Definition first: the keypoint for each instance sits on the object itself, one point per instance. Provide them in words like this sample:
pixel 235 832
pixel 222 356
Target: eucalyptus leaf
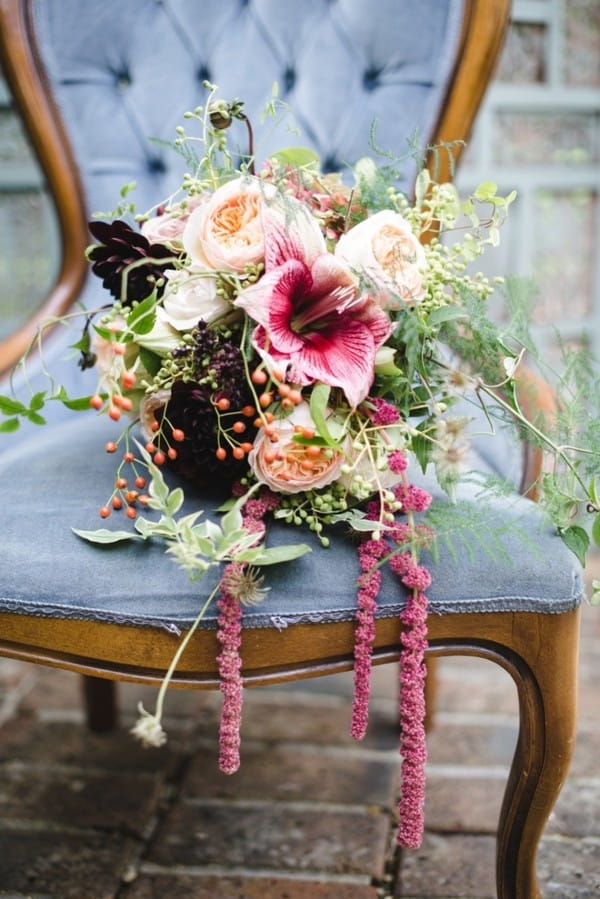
pixel 273 555
pixel 103 535
pixel 175 501
pixel 487 190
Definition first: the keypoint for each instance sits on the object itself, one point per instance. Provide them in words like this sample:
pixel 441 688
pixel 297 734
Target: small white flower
pixel 148 730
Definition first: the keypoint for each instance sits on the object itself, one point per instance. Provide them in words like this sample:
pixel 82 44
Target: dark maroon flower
pixel 119 246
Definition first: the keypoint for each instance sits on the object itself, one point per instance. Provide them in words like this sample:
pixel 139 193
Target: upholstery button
pixel 289 79
pixel 156 165
pixel 371 79
pixel 123 79
pixel 331 164
pixel 204 73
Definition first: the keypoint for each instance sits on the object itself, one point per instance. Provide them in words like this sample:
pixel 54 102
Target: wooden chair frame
pixel 538 651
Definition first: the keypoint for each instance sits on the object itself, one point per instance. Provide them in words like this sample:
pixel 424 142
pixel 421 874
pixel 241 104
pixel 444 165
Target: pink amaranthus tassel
pixel 229 634
pixel 234 585
pixel 413 744
pixel 369 553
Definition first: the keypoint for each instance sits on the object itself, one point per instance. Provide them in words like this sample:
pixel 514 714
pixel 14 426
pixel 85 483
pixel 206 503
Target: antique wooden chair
pixel 91 84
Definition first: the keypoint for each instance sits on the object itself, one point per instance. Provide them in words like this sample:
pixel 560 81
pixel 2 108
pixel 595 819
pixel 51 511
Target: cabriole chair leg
pixel 540 653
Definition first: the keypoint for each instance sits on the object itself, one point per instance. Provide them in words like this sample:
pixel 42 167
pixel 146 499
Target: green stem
pixel 180 650
pixel 516 412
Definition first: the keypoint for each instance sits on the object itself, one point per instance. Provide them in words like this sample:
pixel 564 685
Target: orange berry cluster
pixel 287 395
pixel 118 403
pixel 239 449
pixel 159 456
pixel 125 496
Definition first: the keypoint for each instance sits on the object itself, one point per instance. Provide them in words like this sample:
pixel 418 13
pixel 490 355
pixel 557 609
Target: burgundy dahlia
pixel 119 246
pixel 213 359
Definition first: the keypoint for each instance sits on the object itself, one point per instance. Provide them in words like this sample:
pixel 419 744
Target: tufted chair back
pixel 125 72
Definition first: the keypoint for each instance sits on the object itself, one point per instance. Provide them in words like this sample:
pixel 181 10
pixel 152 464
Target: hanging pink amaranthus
pixel 369 553
pixel 229 634
pixel 416 578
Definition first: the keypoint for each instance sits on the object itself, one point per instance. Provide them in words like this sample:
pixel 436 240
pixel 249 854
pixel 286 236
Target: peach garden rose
pixel 226 232
pixel 385 251
pixel 290 467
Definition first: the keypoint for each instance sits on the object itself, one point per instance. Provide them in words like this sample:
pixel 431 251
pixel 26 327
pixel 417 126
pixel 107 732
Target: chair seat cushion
pixel 507 560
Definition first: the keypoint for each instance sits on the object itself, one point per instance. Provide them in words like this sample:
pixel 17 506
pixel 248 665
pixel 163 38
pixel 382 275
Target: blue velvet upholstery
pixel 126 71
pixel 51 572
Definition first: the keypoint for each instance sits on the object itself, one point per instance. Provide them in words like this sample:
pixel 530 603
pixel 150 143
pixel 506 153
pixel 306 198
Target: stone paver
pixel 63 865
pixel 296 773
pixel 449 866
pixel 570 869
pixel 276 836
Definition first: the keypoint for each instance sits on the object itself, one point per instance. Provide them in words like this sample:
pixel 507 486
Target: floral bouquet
pixel 280 332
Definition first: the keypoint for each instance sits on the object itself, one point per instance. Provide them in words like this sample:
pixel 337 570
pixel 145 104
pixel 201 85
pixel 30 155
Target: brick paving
pixel 310 815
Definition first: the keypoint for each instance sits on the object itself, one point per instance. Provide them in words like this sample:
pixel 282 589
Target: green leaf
pixel 10 425
pixel 595 599
pixel 103 535
pixel 318 405
pixel 84 343
pixel 422 186
pixel 79 403
pixel 593 492
pixel 174 501
pixel 298 157
pixel 422 448
pixel 38 401
pixel 446 314
pixel 309 441
pixel 142 317
pixel 105 333
pixel 577 539
pixel 486 190
pixel 273 555
pixel 36 419
pixel 150 361
pixel 596 530
pixel 8 406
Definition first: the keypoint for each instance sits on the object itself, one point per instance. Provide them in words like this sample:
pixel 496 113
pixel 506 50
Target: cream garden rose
pixel 385 251
pixel 289 467
pixel 227 232
pixel 191 296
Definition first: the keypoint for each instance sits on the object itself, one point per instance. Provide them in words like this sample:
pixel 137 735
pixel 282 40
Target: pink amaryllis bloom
pixel 311 318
